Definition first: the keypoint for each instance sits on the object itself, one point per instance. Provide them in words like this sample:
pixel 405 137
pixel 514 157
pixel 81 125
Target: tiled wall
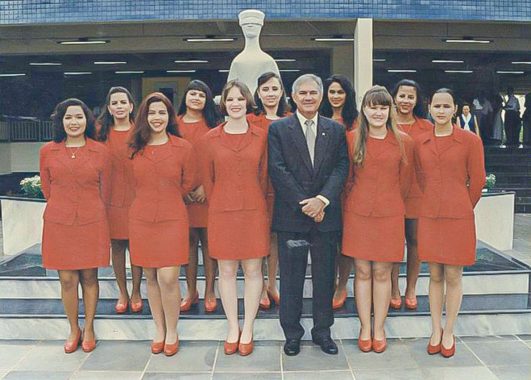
pixel 69 11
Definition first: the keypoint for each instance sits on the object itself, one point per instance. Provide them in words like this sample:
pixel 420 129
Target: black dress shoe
pixel 327 345
pixel 292 347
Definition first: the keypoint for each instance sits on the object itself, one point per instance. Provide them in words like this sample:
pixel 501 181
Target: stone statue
pixel 252 61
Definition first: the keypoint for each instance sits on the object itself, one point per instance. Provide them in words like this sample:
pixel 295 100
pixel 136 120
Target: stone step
pixel 480 315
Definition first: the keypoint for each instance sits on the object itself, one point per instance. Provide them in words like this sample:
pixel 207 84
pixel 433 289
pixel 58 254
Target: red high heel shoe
pixel 265 303
pixel 411 303
pixel 157 347
pixel 434 349
pixel 245 349
pixel 88 345
pixel 379 346
pixel 337 303
pixel 448 352
pixel 211 304
pixel 120 307
pixel 396 303
pixel 275 297
pixel 186 303
pixel 231 347
pixel 71 346
pixel 136 307
pixel 365 345
pixel 171 349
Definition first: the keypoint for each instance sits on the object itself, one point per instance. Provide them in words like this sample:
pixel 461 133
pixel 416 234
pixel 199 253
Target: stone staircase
pixel 496 302
pixel 512 167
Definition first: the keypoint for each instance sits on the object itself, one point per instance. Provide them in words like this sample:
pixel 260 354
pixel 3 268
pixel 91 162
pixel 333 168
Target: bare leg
pixel 91 290
pixel 170 294
pixel 136 273
pixel 453 276
pixel 381 276
pixel 363 290
pixel 344 267
pixel 413 262
pixel 210 264
pixel 118 266
pixel 229 296
pixel 272 266
pixel 395 288
pixel 191 268
pixel 252 269
pixel 436 293
pixel 155 303
pixel 69 280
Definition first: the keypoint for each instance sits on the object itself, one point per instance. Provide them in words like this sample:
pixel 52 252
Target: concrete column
pixel 363 46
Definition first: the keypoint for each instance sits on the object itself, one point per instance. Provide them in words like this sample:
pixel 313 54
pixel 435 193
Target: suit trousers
pixel 293 250
pixel 512 127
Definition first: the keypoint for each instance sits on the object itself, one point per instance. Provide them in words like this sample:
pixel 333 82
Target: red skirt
pixel 447 241
pixel 75 247
pixel 373 238
pixel 159 244
pixel 118 222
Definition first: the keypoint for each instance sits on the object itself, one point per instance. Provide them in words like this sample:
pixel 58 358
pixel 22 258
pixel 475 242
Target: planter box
pixel 495 219
pixel 21 223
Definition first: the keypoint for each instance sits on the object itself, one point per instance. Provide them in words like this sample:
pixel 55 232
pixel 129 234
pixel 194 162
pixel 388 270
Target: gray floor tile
pixel 50 356
pixel 265 358
pixel 458 373
pixel 177 376
pixel 502 353
pixel 311 358
pixel 11 353
pixel 388 374
pixel 488 339
pixel 316 375
pixel 98 375
pixel 118 356
pixel 248 375
pixel 192 357
pixel 463 356
pixel 513 372
pixel 397 355
pixel 37 375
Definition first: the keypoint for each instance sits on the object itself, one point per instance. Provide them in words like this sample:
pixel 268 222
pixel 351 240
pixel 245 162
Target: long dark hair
pixel 349 112
pixel 418 110
pixel 283 107
pixel 210 112
pixel 106 120
pixel 377 95
pixel 443 90
pixel 58 128
pixel 142 130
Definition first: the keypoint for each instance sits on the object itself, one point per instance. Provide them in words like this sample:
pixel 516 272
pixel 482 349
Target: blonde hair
pixel 377 95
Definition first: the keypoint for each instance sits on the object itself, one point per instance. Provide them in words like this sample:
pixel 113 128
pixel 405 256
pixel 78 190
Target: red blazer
pixel 451 180
pixel 75 193
pixel 122 193
pixel 162 181
pixel 380 185
pixel 241 184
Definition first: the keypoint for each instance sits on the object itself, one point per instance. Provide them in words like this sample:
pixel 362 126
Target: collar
pixel 89 144
pixel 457 135
pixel 302 119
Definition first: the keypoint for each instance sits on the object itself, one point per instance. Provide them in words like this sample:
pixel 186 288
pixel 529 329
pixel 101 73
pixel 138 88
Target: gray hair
pixel 307 78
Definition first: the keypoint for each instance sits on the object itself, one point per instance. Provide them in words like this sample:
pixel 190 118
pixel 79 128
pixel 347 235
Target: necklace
pixel 73 152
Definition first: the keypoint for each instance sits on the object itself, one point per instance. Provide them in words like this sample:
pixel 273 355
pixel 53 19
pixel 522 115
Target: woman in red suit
pixel 113 128
pixel 271 105
pixel 451 173
pixel 75 175
pixel 373 220
pixel 197 115
pixel 408 100
pixel 164 172
pixel 234 173
pixel 339 104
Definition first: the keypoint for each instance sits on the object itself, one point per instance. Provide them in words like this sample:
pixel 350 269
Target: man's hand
pixel 198 194
pixel 319 218
pixel 312 206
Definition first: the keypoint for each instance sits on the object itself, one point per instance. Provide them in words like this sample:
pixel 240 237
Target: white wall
pixel 25 156
pixel 5 158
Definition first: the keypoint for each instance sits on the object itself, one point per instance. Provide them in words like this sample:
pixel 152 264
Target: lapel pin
pixel 324 134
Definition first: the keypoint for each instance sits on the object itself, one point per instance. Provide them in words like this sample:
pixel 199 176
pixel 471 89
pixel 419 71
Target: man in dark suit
pixel 308 165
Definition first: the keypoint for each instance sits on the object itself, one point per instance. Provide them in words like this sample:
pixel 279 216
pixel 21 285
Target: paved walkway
pixel 484 358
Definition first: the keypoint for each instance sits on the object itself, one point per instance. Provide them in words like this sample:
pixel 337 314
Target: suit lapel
pixel 297 136
pixel 321 143
pixel 456 136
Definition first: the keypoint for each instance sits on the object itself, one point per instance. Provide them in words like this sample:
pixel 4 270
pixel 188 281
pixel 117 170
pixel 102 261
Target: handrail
pixel 25 130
